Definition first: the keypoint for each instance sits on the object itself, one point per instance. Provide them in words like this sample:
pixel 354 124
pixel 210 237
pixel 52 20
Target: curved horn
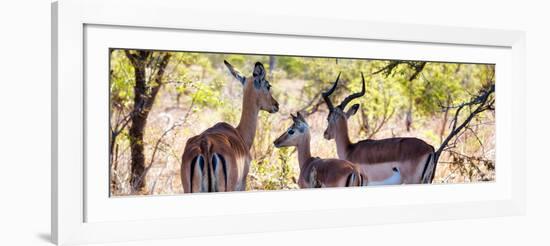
pixel 326 94
pixel 353 96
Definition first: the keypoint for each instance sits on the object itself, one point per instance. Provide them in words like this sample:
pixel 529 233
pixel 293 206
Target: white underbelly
pixel 381 173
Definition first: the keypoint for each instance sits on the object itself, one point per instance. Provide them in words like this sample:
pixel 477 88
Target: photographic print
pixel 190 122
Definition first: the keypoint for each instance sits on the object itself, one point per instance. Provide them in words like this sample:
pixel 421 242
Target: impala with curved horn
pixel 316 172
pixel 219 158
pixel 377 158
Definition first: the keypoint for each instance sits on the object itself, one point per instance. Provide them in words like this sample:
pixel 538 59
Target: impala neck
pixel 304 152
pixel 342 139
pixel 249 121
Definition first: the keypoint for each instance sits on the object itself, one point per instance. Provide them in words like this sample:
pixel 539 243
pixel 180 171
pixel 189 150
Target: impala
pixel 377 158
pixel 219 158
pixel 316 172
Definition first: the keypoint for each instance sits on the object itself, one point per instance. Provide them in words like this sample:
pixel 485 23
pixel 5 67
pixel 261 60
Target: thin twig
pixel 481 101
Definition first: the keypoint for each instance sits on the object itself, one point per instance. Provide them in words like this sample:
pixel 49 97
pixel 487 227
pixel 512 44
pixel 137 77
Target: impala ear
pixel 352 110
pixel 301 122
pixel 259 74
pixel 235 72
pixel 259 70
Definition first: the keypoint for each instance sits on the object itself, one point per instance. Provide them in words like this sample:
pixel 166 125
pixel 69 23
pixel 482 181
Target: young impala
pixel 218 159
pixel 316 172
pixel 377 158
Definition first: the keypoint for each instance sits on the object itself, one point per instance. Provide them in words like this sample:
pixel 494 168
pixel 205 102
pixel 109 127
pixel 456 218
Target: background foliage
pixel 404 98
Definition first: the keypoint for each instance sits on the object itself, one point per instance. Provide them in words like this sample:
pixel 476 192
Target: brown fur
pixel 316 172
pixel 228 145
pixel 387 150
pixel 222 139
pixel 410 155
pixel 319 173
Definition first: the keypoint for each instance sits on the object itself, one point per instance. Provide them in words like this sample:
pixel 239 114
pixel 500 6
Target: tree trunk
pixel 139 121
pixel 145 93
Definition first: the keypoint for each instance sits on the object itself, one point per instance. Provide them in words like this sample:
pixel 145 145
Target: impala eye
pixel 290 131
pixel 268 86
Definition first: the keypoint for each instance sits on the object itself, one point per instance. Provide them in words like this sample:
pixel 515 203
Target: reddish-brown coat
pixel 222 139
pixel 227 144
pixel 387 150
pixel 329 173
pixel 316 172
pixel 377 158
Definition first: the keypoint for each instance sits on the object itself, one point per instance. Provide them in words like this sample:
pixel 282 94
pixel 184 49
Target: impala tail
pixel 207 171
pixel 354 179
pixel 364 180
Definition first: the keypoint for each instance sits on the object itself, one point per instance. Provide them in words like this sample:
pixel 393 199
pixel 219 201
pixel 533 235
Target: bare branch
pixel 387 70
pixel 483 102
pixel 418 66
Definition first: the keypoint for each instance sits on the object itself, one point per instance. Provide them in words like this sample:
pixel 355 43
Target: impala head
pixel 297 132
pixel 256 87
pixel 337 116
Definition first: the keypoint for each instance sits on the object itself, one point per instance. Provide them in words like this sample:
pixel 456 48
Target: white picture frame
pixel 83 213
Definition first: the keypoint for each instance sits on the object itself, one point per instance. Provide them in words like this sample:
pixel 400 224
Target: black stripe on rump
pixel 215 165
pixel 191 172
pixel 224 169
pixel 422 179
pixel 350 179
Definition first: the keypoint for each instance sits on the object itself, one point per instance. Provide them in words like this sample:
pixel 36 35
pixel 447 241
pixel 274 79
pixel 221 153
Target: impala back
pixel 219 161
